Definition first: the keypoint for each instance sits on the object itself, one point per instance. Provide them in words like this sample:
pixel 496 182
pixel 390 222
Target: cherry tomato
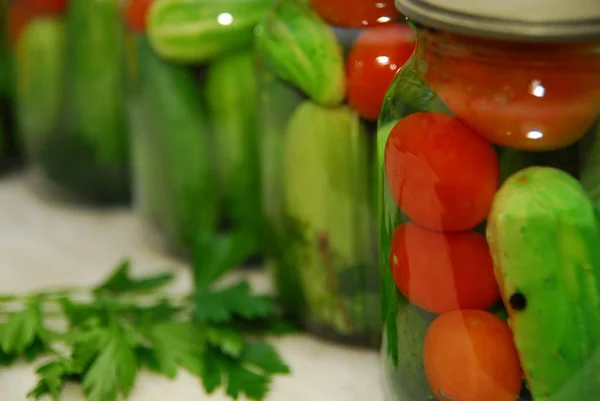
pixel 442 175
pixel 532 102
pixel 19 14
pixel 44 7
pixel 440 272
pixel 374 60
pixel 469 355
pixel 356 13
pixel 137 10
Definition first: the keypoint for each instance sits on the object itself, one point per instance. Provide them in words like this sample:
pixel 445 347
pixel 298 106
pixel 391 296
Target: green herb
pixel 102 337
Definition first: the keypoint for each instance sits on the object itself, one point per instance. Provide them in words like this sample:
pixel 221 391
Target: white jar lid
pixel 523 20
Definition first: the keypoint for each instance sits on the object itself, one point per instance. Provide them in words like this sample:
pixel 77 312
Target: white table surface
pixel 48 244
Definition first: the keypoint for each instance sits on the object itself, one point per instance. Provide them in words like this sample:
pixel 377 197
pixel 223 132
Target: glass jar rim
pixel 521 29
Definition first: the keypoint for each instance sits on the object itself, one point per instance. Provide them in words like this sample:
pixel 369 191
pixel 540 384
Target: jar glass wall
pixel 488 177
pixel 324 69
pixel 69 99
pixel 193 110
pixel 9 151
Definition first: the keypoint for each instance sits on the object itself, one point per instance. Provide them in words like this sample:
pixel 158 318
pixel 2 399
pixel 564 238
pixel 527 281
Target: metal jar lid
pixel 522 20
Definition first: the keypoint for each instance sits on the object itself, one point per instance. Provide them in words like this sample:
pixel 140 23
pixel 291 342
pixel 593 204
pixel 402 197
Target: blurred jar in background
pixel 9 151
pixel 324 69
pixel 489 173
pixel 70 98
pixel 193 111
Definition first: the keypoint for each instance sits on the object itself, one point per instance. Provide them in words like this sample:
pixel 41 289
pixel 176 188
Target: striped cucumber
pixel 543 234
pixel 39 71
pixel 326 197
pixel 96 79
pixel 197 31
pixel 95 76
pixel 232 99
pixel 303 50
pixel 180 140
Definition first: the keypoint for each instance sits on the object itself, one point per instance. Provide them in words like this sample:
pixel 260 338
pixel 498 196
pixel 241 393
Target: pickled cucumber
pixel 197 31
pixel 303 50
pixel 589 172
pixel 326 198
pixel 39 64
pixel 543 234
pixel 276 95
pixel 86 155
pixel 408 379
pixel 96 81
pixel 178 125
pixel 231 92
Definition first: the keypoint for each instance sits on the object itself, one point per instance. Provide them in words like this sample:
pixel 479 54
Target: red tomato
pixel 46 6
pixel 374 60
pixel 137 10
pixel 19 15
pixel 470 355
pixel 356 13
pixel 440 272
pixel 442 175
pixel 528 101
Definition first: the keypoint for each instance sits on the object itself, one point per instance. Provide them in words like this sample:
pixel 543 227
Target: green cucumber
pixel 589 173
pixel 4 53
pixel 96 79
pixel 150 200
pixel 407 380
pixel 409 94
pixel 303 50
pixel 389 218
pixel 197 31
pixel 231 92
pixel 543 234
pixel 85 157
pixel 39 69
pixel 179 138
pixel 326 198
pixel 277 102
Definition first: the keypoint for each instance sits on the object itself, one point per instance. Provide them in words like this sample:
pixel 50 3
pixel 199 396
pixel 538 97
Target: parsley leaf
pixel 127 324
pixel 114 368
pixel 176 344
pixel 248 374
pixel 217 306
pixel 52 378
pixel 265 357
pixel 242 381
pixel 121 281
pixel 7 359
pixel 216 254
pixel 24 330
pixel 228 341
pixel 212 378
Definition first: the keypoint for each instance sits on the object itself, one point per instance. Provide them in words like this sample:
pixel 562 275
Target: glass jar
pixel 321 89
pixel 489 188
pixel 69 99
pixel 193 112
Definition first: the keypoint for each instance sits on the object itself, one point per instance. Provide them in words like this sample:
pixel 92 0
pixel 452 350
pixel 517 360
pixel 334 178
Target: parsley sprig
pixel 102 337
